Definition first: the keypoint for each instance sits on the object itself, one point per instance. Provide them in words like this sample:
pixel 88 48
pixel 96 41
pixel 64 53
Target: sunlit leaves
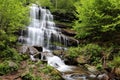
pixel 96 16
pixel 13 14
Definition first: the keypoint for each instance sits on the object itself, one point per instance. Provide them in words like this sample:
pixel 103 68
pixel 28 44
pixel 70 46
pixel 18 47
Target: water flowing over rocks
pixel 42 36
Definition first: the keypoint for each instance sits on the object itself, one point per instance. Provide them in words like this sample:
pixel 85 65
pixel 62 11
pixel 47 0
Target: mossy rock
pixel 56 75
pixel 81 59
pixel 91 68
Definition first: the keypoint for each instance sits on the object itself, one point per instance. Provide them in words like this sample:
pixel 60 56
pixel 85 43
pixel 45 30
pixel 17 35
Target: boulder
pixel 32 50
pixel 22 49
pixel 29 49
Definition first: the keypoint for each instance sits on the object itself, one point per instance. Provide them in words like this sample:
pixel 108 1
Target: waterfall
pixel 42 30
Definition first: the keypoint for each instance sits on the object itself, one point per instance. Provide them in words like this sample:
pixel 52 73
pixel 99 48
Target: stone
pixel 81 59
pixel 68 32
pixel 72 41
pixel 103 76
pixel 22 49
pixel 32 50
pixel 91 68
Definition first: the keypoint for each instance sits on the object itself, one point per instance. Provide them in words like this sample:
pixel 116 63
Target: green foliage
pixel 64 6
pixel 55 77
pixel 24 56
pixel 10 54
pixel 45 3
pixel 92 50
pixel 116 61
pixel 73 52
pixel 6 68
pixel 47 69
pixel 96 16
pixel 51 71
pixel 99 66
pixel 13 16
pixel 28 76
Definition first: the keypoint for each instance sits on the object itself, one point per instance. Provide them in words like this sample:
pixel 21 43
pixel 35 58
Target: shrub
pixel 28 76
pixel 92 49
pixel 73 52
pixel 89 49
pixel 47 69
pixel 11 54
pixel 116 61
pixel 7 67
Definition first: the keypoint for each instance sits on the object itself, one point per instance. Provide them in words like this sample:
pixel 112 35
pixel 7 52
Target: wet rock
pixel 68 32
pixel 72 41
pixel 61 26
pixel 32 50
pixel 39 48
pixel 60 53
pixel 103 77
pixel 38 56
pixel 75 76
pixel 56 72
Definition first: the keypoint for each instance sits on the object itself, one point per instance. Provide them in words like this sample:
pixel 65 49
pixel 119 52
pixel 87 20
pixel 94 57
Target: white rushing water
pixel 56 62
pixel 42 30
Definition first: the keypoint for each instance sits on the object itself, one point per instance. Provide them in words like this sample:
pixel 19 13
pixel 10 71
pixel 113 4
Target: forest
pixel 95 24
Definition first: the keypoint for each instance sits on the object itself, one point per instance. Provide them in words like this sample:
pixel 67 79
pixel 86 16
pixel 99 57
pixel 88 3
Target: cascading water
pixel 42 32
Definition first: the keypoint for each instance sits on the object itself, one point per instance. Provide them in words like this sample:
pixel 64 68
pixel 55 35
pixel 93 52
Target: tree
pixel 13 16
pixel 96 17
